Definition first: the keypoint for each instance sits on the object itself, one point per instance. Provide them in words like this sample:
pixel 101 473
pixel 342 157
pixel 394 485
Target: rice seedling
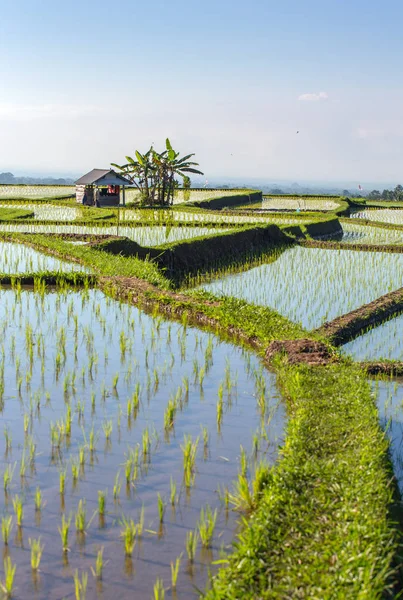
pixel 99 564
pixel 140 524
pixel 9 573
pixel 81 517
pixel 38 499
pixel 101 502
pixel 7 439
pixel 75 470
pixel 205 435
pixel 18 509
pixel 6 527
pixel 26 423
pixel 146 443
pixel 159 590
pixel 128 534
pixel 62 482
pixel 107 427
pixel 175 566
pixel 36 553
pixel 169 415
pixel 161 508
pixel 189 450
pixel 80 585
pixel 192 539
pixel 206 525
pixel 8 477
pixel 244 462
pixel 224 496
pixel 220 410
pixel 117 486
pixel 173 495
pixel 64 532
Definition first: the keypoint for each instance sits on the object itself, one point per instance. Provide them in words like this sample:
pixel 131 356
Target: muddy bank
pixel 334 245
pixel 310 352
pixel 347 327
pixel 387 368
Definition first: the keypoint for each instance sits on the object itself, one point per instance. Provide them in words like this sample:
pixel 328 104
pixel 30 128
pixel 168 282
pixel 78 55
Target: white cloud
pixel 28 112
pixel 313 97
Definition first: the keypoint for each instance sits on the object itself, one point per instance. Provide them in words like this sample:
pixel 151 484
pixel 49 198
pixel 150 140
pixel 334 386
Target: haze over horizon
pixel 232 82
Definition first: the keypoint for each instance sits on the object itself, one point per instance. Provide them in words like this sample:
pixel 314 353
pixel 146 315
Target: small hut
pixel 101 187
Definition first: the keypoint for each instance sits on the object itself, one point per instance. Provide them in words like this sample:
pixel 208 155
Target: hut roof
pixel 102 177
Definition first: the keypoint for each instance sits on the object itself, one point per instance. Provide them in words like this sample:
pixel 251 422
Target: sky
pixel 85 83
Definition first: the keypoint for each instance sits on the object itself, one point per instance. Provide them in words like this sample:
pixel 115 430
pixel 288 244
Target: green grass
pixel 11 214
pixel 322 528
pixel 100 262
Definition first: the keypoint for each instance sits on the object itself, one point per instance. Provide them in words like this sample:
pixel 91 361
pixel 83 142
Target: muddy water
pixel 16 258
pixel 62 349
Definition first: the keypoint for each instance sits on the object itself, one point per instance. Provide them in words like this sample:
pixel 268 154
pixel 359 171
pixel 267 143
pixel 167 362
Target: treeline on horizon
pixel 10 179
pixel 396 194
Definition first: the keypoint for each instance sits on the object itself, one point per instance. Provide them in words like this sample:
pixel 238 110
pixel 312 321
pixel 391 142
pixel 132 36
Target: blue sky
pixel 85 83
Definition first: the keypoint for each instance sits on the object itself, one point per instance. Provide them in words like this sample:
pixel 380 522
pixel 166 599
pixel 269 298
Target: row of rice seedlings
pixel 354 233
pixel 382 342
pixel 143 235
pixel 17 258
pixel 76 427
pixel 381 215
pixel 343 281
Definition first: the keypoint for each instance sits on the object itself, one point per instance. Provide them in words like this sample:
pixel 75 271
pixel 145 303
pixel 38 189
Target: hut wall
pixel 88 190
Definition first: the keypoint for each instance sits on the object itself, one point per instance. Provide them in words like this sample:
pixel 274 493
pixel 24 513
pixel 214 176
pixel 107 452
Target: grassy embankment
pixel 322 528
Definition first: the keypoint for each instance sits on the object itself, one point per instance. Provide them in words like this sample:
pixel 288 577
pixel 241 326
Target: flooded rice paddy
pixel 48 212
pixel 385 215
pixel 16 258
pixel 365 234
pixel 36 191
pixel 145 236
pixel 100 401
pixel 382 342
pixel 299 203
pixel 312 285
pixel 390 405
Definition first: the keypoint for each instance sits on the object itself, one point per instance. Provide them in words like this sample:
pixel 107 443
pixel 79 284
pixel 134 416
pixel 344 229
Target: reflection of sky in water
pixel 16 258
pixel 384 341
pixel 312 285
pixel 94 338
pixel 145 236
pixel 390 404
pixel 365 234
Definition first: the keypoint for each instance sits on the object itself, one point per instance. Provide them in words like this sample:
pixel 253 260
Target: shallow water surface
pixel 384 341
pixel 313 285
pixel 390 406
pixel 354 233
pixel 145 236
pixel 116 369
pixel 17 258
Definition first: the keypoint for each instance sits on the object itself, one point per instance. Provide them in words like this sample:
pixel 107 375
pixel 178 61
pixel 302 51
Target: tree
pixel 374 195
pixel 398 192
pixel 154 174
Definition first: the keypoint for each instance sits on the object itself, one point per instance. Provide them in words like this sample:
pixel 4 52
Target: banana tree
pixel 154 173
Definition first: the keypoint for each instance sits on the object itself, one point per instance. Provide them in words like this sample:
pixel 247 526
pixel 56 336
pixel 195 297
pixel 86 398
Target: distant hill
pixel 10 179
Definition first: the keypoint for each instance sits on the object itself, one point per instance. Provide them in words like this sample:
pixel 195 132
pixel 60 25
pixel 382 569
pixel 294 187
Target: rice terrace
pixel 199 390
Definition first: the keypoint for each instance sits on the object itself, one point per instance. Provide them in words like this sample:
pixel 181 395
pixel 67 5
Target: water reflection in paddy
pixel 96 356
